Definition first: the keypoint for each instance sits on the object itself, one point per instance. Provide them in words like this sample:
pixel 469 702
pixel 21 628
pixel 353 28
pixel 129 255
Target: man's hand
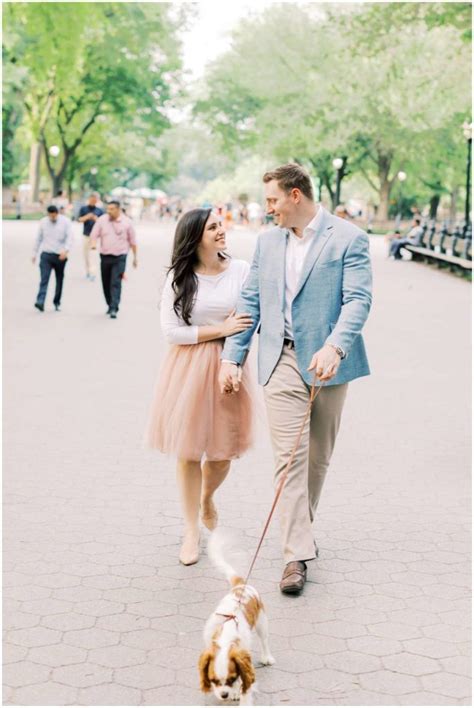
pixel 33 259
pixel 230 376
pixel 135 263
pixel 326 362
pixel 63 255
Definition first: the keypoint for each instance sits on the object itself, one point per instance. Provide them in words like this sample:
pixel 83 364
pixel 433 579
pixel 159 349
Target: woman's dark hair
pixel 187 238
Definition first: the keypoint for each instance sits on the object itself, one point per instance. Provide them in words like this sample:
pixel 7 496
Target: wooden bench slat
pixel 455 260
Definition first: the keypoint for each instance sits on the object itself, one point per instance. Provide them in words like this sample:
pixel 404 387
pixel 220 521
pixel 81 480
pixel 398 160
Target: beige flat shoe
pixel 189 553
pixel 209 515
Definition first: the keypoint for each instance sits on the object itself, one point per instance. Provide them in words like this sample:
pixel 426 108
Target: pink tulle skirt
pixel 190 418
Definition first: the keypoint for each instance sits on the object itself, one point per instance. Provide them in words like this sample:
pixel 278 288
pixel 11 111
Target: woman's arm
pixel 178 332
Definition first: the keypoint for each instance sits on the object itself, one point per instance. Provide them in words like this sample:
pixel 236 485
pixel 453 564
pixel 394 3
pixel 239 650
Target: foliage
pixel 319 93
pixel 87 62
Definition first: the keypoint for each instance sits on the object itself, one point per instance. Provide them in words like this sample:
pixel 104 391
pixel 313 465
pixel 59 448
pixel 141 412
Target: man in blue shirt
pixel 53 242
pixel 88 215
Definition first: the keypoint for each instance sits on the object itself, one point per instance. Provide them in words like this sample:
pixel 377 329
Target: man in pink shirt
pixel 117 236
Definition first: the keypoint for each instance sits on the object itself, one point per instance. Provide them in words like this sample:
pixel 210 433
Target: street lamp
pixel 338 164
pixel 54 150
pixel 93 171
pixel 467 130
pixel 401 176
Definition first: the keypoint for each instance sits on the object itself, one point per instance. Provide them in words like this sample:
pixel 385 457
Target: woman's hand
pixel 236 323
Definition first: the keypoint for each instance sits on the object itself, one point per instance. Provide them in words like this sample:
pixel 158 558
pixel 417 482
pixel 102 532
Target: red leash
pixel 281 484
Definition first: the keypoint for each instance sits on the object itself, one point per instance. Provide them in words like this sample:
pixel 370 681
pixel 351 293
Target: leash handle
pixel 314 392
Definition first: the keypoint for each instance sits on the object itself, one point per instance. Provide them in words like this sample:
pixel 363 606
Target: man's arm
pixel 69 236
pixel 132 239
pixel 356 301
pixel 95 234
pixel 356 294
pixel 85 215
pixel 236 346
pixel 39 239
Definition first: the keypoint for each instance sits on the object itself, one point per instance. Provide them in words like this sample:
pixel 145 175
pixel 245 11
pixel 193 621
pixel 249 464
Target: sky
pixel 209 35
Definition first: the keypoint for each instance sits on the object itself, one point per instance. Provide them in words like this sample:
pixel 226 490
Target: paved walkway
pixel 97 609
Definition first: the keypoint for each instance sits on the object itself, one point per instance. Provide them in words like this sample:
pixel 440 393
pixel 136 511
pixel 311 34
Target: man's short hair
pixel 291 176
pixel 114 201
pixel 52 209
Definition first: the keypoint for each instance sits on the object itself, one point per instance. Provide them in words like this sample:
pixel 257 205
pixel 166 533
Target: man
pixel 413 238
pixel 60 201
pixel 117 236
pixel 88 215
pixel 309 287
pixel 54 242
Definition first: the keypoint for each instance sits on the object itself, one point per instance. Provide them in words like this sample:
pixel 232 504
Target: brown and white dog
pixel 225 665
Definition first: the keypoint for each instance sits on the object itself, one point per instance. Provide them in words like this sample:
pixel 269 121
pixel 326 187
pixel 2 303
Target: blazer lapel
pixel 320 239
pixel 279 254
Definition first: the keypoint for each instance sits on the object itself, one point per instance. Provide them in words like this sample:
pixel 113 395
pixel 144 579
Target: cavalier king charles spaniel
pixel 225 665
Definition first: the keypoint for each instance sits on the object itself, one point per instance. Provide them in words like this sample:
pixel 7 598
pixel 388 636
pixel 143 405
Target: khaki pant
pixel 286 397
pixel 89 256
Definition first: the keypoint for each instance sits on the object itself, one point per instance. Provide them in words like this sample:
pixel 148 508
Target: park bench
pixel 452 250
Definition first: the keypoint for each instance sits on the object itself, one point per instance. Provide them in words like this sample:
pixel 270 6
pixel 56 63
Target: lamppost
pixel 401 178
pixel 467 130
pixel 54 151
pixel 338 164
pixel 94 172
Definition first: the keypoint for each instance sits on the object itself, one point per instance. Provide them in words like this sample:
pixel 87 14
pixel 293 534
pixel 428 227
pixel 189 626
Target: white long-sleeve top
pixel 215 299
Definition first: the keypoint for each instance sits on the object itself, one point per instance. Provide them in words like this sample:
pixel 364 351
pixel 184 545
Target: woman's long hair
pixel 187 238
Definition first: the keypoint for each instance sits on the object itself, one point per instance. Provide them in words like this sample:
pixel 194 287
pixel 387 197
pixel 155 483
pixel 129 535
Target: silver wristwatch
pixel 339 350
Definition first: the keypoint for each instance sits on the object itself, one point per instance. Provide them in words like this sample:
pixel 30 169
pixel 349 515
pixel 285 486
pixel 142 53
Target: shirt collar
pixel 315 222
pixel 311 228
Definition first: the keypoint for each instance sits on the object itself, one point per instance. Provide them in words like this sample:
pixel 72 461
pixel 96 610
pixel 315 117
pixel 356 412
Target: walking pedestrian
pixel 310 289
pixel 88 215
pixel 60 201
pixel 53 242
pixel 190 417
pixel 117 236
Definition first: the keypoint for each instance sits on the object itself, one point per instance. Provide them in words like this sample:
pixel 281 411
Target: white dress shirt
pixel 296 251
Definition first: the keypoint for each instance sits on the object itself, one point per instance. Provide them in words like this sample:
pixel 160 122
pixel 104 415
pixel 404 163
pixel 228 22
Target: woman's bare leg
pixel 213 474
pixel 190 479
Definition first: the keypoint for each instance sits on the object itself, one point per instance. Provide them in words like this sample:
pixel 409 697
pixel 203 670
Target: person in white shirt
pixel 53 242
pixel 190 417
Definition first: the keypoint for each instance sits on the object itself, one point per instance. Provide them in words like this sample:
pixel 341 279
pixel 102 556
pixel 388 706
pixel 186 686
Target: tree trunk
pixel 434 204
pixel 34 173
pixel 454 194
pixel 384 161
pixel 384 200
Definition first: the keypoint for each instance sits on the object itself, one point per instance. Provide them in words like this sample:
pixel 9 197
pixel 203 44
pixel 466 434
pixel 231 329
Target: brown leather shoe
pixel 294 578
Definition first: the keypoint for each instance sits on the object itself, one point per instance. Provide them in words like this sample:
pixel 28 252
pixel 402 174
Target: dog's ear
pixel 204 661
pixel 245 669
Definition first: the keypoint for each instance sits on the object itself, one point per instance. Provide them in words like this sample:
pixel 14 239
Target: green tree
pixel 319 94
pixel 90 61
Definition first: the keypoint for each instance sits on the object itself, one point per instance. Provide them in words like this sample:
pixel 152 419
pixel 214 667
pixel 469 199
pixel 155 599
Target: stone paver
pixel 97 609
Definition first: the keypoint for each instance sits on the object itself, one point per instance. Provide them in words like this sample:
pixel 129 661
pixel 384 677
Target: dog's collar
pixel 228 617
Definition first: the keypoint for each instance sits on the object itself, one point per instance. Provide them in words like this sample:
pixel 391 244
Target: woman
pixel 190 417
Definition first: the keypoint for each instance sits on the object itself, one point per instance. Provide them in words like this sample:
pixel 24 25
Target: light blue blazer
pixel 331 305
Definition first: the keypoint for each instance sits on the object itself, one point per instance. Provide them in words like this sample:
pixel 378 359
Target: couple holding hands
pixel 308 291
